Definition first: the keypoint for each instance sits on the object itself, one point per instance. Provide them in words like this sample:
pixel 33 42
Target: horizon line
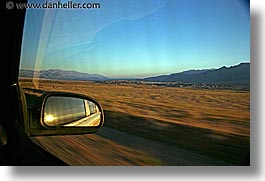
pixel 135 76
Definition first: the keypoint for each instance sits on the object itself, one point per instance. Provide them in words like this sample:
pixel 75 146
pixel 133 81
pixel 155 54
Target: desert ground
pixel 153 125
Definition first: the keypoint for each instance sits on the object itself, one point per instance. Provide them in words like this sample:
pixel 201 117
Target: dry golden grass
pixel 222 110
pixel 215 123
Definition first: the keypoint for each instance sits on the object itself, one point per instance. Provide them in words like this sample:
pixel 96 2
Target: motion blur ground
pixel 145 126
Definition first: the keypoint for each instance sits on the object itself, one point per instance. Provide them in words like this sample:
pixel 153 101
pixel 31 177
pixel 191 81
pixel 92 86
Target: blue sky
pixel 138 38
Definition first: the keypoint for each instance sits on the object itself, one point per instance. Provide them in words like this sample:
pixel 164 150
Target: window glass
pixel 171 75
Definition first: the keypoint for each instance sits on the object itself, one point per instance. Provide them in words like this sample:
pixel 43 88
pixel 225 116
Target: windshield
pixel 171 75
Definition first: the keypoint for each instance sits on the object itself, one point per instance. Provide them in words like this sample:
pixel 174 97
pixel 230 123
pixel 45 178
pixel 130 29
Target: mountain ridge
pixel 62 75
pixel 232 75
pixel 237 74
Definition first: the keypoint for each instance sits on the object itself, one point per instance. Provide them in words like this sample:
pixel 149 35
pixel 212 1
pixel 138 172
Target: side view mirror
pixel 59 113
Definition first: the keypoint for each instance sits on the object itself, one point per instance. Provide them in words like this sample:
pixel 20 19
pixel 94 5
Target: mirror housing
pixel 61 113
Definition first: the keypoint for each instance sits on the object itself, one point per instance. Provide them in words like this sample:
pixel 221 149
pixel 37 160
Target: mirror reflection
pixel 70 111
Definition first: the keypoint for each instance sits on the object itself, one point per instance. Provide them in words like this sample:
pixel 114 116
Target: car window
pixel 171 75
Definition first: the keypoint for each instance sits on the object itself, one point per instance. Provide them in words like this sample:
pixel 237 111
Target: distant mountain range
pixel 234 75
pixel 62 75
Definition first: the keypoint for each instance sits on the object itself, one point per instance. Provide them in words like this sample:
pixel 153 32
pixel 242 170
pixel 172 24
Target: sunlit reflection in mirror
pixel 71 111
pixel 49 118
